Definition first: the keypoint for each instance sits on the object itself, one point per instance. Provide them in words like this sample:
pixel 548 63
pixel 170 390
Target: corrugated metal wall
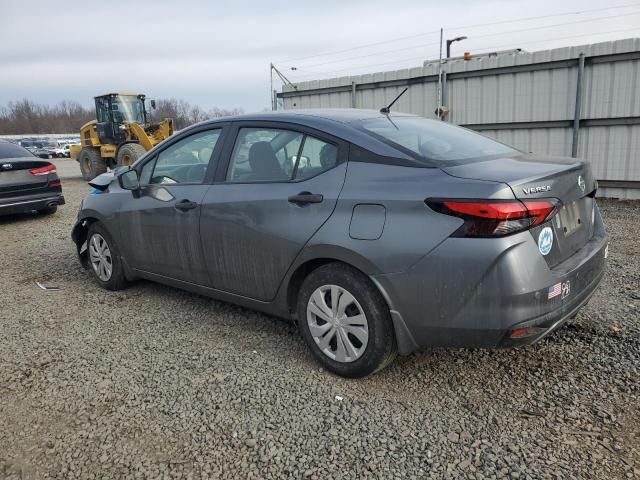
pixel 524 99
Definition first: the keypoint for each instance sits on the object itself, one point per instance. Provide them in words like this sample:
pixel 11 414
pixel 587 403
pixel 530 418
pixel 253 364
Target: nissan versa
pixel 379 233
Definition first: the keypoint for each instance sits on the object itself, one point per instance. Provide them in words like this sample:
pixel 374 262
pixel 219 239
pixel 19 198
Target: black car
pixel 44 152
pixel 26 182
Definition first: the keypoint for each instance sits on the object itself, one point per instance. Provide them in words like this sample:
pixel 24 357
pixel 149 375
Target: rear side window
pixel 264 155
pixel 316 157
pixel 278 155
pixel 11 150
pixel 432 140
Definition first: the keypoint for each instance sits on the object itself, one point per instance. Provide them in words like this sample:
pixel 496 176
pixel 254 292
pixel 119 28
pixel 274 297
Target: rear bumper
pixel 28 204
pixel 537 328
pixel 477 294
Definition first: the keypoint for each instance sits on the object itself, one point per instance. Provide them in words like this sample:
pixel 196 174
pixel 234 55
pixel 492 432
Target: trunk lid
pixel 16 178
pixel 532 177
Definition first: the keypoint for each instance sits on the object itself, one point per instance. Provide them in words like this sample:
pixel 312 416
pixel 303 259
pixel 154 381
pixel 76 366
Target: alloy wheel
pixel 100 256
pixel 337 323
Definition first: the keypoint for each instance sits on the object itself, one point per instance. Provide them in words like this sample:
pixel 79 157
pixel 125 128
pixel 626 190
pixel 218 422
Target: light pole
pixel 449 42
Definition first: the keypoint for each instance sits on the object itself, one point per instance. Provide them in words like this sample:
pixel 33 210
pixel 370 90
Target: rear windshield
pixel 11 150
pixel 433 140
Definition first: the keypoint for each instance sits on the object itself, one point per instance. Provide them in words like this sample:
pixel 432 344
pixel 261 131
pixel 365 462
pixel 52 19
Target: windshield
pixel 127 109
pixel 11 150
pixel 434 140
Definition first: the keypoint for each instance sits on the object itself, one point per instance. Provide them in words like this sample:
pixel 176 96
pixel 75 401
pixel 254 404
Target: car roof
pixel 343 115
pixel 334 121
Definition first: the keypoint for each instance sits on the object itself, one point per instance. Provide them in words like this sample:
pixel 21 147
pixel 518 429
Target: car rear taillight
pixel 46 170
pixel 495 218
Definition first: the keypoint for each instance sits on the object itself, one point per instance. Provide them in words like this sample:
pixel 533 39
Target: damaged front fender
pixel 102 182
pixel 79 237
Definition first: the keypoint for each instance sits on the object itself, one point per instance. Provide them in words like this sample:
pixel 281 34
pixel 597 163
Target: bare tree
pixel 216 112
pixel 25 116
pixel 196 114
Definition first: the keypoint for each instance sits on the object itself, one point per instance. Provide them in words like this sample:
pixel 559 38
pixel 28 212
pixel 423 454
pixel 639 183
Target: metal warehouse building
pixel 582 100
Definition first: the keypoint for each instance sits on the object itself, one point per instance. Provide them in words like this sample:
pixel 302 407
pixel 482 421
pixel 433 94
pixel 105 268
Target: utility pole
pixel 439 95
pixel 442 111
pixel 284 79
pixel 273 98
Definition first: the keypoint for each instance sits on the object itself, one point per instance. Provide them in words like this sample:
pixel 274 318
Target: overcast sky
pixel 218 55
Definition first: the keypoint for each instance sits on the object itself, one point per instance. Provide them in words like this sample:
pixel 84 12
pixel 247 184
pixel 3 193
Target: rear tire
pixel 48 210
pixel 104 258
pixel 91 163
pixel 360 321
pixel 129 153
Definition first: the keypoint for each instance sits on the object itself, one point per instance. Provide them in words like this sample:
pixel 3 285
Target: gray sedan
pixel 377 233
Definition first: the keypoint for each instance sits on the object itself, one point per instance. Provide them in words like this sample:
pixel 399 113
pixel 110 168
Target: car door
pixel 160 223
pixel 278 185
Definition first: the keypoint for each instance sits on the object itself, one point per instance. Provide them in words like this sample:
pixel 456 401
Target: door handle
pixel 185 205
pixel 306 197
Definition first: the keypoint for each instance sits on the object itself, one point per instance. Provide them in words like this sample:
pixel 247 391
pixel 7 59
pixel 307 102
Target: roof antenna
pixel 387 109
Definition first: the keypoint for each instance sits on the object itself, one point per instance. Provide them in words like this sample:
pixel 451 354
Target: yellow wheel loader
pixel 121 133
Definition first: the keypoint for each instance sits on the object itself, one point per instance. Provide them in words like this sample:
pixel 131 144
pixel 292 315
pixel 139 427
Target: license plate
pixel 568 219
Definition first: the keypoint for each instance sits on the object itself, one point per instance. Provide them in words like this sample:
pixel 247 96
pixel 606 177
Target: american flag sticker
pixel 554 291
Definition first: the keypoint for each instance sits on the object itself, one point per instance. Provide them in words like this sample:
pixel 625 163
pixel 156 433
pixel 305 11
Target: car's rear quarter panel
pixel 411 229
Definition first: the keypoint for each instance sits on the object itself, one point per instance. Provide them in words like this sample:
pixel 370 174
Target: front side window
pixel 185 161
pixel 432 140
pixel 277 155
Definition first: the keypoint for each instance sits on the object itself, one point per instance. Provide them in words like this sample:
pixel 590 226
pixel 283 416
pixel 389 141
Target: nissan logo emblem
pixel 581 183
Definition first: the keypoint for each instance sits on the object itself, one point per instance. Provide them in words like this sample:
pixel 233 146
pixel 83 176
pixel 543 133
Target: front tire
pixel 129 153
pixel 104 259
pixel 345 322
pixel 91 163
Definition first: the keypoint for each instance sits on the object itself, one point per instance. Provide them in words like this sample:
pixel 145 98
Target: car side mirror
pixel 153 104
pixel 129 180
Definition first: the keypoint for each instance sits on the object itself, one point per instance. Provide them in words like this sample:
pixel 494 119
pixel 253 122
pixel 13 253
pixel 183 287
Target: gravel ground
pixel 153 382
